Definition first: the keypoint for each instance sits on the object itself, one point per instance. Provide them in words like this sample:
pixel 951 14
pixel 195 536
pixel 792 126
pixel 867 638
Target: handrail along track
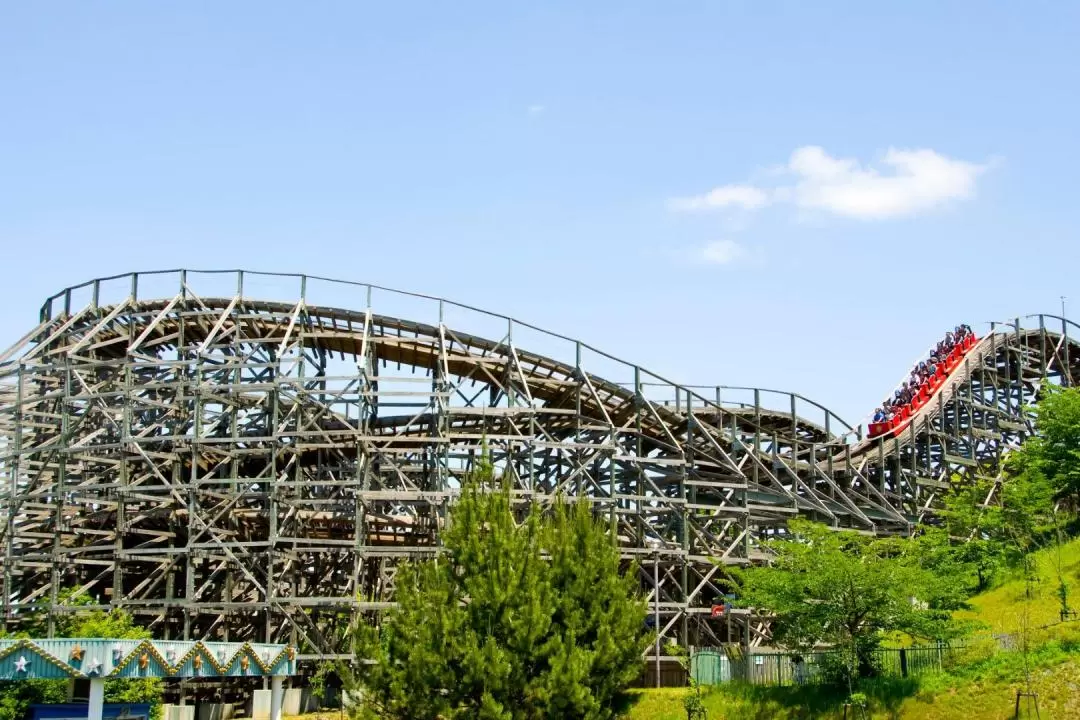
pixel 227 466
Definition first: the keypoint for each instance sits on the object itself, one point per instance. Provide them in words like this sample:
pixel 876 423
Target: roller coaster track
pixel 238 468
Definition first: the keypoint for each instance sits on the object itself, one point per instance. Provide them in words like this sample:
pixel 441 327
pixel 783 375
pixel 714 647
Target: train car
pixel 927 390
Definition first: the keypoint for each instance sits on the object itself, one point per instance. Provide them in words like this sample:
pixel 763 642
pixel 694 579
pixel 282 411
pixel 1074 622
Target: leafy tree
pixel 974 534
pixel 988 527
pixel 1054 451
pixel 521 617
pixel 847 590
pixel 1045 485
pixel 16 696
pixel 952 571
pixel 1028 514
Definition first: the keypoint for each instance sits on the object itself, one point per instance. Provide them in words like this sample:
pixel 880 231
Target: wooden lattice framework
pixel 244 469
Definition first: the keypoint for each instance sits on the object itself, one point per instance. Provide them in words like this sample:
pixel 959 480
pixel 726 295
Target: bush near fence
pixel 714 666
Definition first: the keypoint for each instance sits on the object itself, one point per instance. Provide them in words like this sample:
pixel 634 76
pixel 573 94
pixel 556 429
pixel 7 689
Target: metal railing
pixel 715 666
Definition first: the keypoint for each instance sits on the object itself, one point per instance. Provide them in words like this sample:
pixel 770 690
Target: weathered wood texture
pixel 234 468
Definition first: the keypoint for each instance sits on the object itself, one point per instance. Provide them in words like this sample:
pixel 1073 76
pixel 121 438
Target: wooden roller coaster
pixel 229 467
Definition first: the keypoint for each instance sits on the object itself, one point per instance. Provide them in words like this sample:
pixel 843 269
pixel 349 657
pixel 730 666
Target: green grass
pixel 764 703
pixel 944 697
pixel 980 682
pixel 1003 607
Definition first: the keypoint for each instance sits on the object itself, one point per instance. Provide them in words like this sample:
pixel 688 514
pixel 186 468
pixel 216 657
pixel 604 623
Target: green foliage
pixel 990 527
pixel 1027 513
pixel 317 681
pixel 99 624
pixel 948 572
pixel 742 701
pixel 528 619
pixel 858 698
pixel 693 703
pixel 1001 538
pixel 847 590
pixel 677 651
pixel 16 696
pixel 1054 452
pixel 973 537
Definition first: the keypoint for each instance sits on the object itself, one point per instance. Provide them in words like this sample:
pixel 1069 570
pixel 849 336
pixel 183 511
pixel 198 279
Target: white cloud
pixel 919 180
pixel 535 109
pixel 721 252
pixel 745 196
pixel 909 182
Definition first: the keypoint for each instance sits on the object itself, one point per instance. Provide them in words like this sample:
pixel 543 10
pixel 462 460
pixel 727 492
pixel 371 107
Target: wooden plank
pixel 930 482
pixel 1014 426
pixel 960 460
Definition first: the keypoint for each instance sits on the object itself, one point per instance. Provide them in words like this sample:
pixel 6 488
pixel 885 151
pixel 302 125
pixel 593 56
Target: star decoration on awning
pixel 77 653
pixel 21 663
pixel 95 667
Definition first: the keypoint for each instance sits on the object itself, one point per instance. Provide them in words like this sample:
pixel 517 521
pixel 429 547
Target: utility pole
pixel 1062 306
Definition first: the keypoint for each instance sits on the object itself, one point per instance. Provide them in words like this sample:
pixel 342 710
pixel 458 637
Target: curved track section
pixel 247 469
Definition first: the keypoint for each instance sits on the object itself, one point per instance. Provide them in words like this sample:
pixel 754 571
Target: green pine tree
pixel 525 615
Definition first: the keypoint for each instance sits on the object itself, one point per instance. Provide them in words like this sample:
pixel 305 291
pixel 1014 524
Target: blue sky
pixel 794 195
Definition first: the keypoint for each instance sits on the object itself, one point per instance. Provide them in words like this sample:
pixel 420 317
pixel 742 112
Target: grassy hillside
pixel 1003 608
pixel 981 681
